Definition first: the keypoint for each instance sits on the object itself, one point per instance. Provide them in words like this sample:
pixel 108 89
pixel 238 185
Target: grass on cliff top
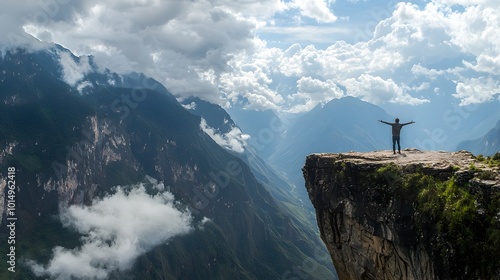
pixel 463 228
pixel 491 161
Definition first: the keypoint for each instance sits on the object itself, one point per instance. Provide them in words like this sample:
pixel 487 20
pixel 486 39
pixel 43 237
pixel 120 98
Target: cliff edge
pixel 419 215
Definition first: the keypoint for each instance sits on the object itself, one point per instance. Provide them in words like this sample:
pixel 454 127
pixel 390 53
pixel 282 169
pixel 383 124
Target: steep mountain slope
pixel 73 140
pixel 487 145
pixel 222 126
pixel 265 127
pixel 218 120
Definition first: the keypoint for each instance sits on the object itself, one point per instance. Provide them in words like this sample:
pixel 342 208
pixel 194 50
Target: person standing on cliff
pixel 396 132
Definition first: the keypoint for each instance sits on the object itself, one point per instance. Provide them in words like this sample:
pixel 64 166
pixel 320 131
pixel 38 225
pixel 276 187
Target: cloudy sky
pixel 284 55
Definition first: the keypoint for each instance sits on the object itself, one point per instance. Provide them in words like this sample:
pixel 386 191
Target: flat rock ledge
pixel 429 159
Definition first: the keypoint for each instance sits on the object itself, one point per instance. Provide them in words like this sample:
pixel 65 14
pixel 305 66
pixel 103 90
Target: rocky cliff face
pixel 420 215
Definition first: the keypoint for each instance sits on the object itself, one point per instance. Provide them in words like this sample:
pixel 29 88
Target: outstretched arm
pixel 409 123
pixel 384 122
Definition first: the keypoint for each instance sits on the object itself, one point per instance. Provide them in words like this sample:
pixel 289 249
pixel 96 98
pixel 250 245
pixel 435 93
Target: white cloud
pixel 233 140
pixel 477 90
pixel 178 42
pixel 315 86
pixel 475 30
pixel 315 9
pixel 312 92
pixel 486 63
pixel 190 106
pixel 304 34
pixel 421 87
pixel 83 85
pixel 377 90
pixel 412 40
pixel 212 49
pixel 73 71
pixel 461 2
pixel 418 69
pixel 117 229
pixel 250 78
pixel 40 13
pixel 417 35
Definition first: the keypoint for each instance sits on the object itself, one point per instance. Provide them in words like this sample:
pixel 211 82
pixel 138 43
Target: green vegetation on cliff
pixel 457 216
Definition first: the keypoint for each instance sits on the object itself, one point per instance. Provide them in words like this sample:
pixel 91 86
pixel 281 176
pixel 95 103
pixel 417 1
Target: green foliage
pixel 494 160
pixel 494 232
pixel 392 175
pixel 496 156
pixel 480 158
pixel 486 175
pixel 472 167
pixel 491 161
pixel 462 240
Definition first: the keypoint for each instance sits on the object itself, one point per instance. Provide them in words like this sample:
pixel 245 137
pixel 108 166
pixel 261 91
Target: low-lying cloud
pixel 116 230
pixel 73 72
pixel 234 140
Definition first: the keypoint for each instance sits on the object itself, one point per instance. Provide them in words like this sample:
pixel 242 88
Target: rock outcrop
pixel 419 215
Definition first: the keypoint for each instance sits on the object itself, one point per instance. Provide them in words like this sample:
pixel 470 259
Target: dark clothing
pixel 396 127
pixel 396 132
pixel 396 139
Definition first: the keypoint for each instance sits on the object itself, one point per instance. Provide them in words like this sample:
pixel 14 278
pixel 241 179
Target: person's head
pixel 397 120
